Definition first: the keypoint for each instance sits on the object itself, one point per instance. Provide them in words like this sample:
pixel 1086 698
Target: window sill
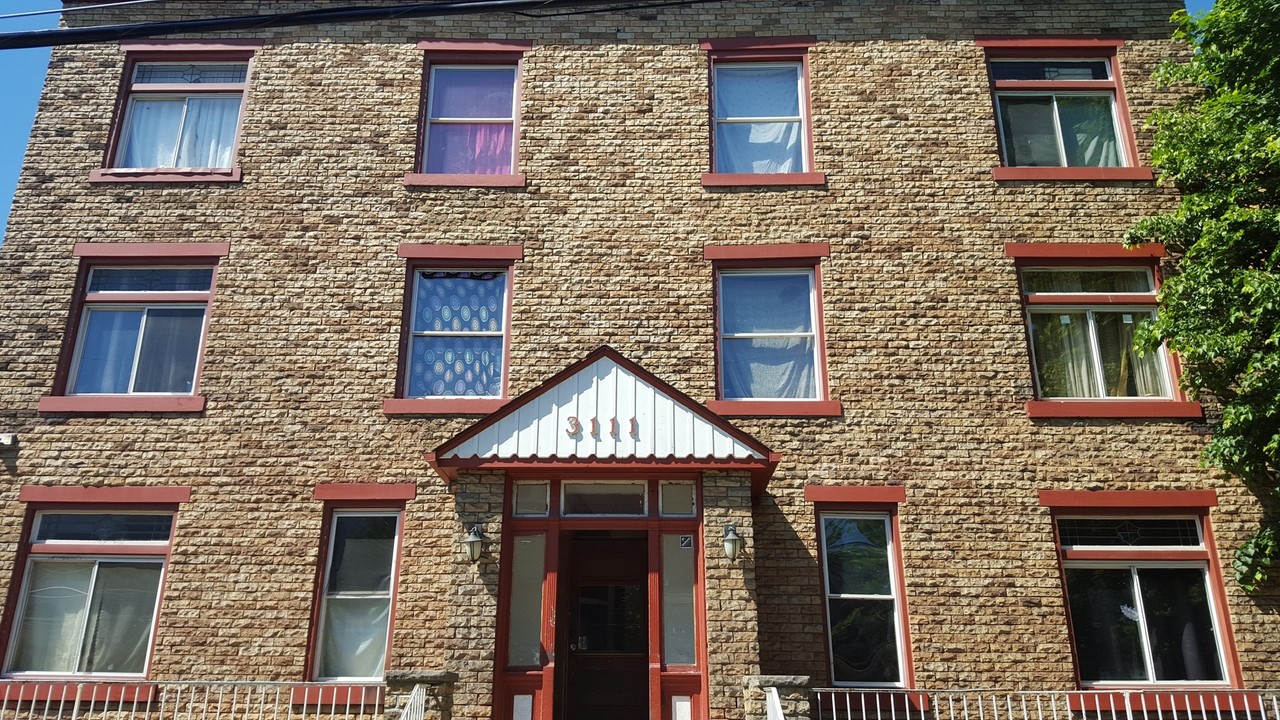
pixel 337 695
pixel 776 408
pixel 763 179
pixel 441 406
pixel 168 175
pixel 32 690
pixel 1174 698
pixel 1114 409
pixel 442 180
pixel 121 403
pixel 1010 174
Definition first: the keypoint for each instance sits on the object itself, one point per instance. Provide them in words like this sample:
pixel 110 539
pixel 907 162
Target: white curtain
pixel 150 134
pixel 118 628
pixel 1088 131
pixel 1064 363
pixel 53 617
pixel 771 368
pixel 758 147
pixel 208 132
pixel 355 637
pixel 764 100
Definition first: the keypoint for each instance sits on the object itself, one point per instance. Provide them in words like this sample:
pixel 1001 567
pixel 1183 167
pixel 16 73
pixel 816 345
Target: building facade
pixel 610 360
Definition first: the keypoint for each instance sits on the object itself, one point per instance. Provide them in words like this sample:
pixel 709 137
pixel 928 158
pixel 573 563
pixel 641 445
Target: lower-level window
pixel 90 592
pixel 1141 612
pixel 359 581
pixel 863 607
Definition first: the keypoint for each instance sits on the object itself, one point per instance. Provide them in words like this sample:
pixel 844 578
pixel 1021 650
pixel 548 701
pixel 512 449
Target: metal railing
pixel 75 700
pixel 849 703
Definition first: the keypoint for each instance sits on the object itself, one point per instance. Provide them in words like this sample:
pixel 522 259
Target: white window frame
pixel 1133 562
pixel 178 91
pixel 895 596
pixel 1053 95
pixel 325 595
pixel 814 334
pixel 802 99
pixel 433 119
pixel 98 552
pixel 126 300
pixel 418 275
pixel 1089 304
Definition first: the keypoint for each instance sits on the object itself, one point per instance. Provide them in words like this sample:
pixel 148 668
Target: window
pixel 471 102
pixel 180 114
pixel 862 584
pixel 1143 593
pixel 1060 111
pixel 456 329
pixel 769 329
pixel 760 112
pixel 1083 306
pixel 139 326
pixel 90 591
pixel 358 589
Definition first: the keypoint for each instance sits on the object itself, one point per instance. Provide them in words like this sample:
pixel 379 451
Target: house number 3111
pixel 575 427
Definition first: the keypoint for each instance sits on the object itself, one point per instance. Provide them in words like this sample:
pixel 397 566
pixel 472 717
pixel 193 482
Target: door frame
pixel 540 684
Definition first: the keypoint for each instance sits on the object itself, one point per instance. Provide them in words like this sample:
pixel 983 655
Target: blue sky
pixel 22 74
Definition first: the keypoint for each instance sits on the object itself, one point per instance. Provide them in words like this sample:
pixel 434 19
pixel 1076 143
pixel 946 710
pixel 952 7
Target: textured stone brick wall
pixel 925 339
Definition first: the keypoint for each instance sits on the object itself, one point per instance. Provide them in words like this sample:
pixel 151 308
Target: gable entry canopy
pixel 605 411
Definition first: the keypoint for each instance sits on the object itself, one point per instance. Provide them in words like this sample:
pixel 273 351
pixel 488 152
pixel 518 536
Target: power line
pixel 111 33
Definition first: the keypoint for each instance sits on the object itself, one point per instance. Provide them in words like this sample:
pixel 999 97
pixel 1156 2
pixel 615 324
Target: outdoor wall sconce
pixel 732 542
pixel 473 543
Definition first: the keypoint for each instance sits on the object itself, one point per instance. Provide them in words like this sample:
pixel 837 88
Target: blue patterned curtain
pixel 458 332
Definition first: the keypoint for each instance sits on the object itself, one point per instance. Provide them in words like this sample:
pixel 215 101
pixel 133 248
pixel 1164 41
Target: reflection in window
pixel 862 609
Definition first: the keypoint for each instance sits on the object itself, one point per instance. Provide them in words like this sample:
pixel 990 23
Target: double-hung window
pixel 1084 304
pixel 1060 111
pixel 358 589
pixel 90 591
pixel 180 114
pixel 770 347
pixel 135 341
pixel 457 328
pixel 760 113
pixel 1142 601
pixel 470 114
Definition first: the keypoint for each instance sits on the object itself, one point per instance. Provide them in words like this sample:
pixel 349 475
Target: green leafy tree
pixel 1220 304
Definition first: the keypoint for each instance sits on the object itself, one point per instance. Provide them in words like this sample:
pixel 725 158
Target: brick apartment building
pixel 609 360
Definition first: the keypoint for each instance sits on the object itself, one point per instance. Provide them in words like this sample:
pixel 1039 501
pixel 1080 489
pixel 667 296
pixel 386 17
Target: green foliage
pixel 1220 304
pixel 1254 558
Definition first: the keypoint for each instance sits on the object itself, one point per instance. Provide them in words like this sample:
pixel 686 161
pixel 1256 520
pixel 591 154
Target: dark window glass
pixel 92 527
pixel 1126 532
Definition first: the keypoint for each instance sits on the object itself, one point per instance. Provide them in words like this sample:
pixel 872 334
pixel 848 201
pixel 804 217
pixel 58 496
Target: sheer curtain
pixel 1064 360
pixel 208 132
pixel 769 368
pixel 107 350
pixel 118 627
pixel 462 94
pixel 53 617
pixel 355 637
pixel 1088 130
pixel 151 133
pixel 170 348
pixel 767 335
pixel 758 127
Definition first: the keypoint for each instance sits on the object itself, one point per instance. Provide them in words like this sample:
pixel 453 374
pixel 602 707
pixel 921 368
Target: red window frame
pixel 1100 255
pixel 124 500
pixel 742 51
pixel 799 256
pixel 468 52
pixel 98 255
pixel 338 498
pixel 175 51
pixel 501 258
pixel 1196 504
pixel 878 501
pixel 1066 48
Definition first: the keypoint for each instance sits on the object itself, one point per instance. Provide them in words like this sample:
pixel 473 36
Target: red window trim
pixel 879 500
pixel 749 50
pixel 373 492
pixel 1042 47
pixel 771 256
pixel 423 256
pixel 1114 408
pixel 126 495
pixel 178 51
pixel 1127 500
pixel 331 507
pixel 859 494
pixel 472 52
pixel 93 255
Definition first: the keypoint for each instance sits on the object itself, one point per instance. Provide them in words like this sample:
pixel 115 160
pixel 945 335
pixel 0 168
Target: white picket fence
pixel 30 700
pixel 846 703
